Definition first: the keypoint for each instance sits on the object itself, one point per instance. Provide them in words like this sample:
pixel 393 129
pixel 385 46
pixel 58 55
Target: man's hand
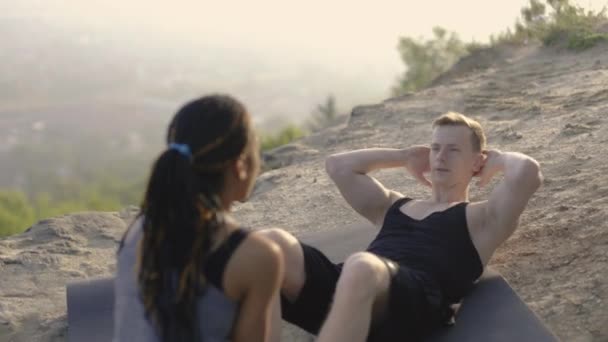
pixel 418 164
pixel 350 172
pixel 493 164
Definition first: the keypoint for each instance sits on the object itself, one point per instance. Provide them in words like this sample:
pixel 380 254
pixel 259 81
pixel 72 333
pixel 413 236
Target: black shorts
pixel 415 306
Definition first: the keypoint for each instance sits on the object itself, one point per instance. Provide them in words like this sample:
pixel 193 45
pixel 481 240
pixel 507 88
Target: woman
pixel 186 270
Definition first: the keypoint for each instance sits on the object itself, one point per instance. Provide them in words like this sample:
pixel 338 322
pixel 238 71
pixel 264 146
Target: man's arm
pixel 349 171
pixel 522 177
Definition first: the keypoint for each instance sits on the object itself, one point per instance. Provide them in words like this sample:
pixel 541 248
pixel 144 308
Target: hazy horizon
pixel 344 36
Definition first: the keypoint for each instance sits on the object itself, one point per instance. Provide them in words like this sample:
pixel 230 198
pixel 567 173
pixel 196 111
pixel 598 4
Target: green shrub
pixel 474 46
pixel 425 60
pixel 585 41
pixel 283 137
pixel 565 23
pixel 324 114
pixel 16 213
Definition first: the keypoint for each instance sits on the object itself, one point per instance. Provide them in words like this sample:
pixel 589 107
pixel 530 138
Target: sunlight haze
pixel 339 34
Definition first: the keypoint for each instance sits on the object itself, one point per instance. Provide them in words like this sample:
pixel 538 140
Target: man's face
pixel 452 158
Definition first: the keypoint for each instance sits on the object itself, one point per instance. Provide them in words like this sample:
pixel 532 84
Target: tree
pixel 324 115
pixel 427 59
pixel 559 5
pixel 534 12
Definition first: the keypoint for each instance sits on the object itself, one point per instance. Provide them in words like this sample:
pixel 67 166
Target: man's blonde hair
pixel 478 137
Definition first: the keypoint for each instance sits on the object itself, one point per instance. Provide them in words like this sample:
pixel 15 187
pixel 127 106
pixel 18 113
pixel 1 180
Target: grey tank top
pixel 216 312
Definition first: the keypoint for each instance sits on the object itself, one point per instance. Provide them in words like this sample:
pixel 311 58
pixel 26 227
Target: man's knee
pixel 365 274
pixel 288 243
pixel 295 274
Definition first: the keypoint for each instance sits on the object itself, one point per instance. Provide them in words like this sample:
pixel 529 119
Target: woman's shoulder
pixel 257 249
pixel 257 261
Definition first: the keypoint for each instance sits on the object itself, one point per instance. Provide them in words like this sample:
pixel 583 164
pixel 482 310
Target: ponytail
pixel 179 225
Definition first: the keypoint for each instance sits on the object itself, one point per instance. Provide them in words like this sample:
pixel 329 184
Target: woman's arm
pixel 260 274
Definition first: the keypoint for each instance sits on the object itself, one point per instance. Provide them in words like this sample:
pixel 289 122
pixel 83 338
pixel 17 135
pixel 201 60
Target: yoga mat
pixel 491 312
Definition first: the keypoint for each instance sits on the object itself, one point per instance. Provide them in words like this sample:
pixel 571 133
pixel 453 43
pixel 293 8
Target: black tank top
pixel 217 260
pixel 439 245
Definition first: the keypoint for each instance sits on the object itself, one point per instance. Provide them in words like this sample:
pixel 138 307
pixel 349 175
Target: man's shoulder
pixel 478 205
pixel 477 215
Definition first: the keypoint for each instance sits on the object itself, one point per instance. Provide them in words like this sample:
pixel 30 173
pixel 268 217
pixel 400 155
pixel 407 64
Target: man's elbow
pixel 334 166
pixel 532 174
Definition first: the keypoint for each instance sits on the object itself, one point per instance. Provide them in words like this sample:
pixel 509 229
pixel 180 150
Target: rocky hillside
pixel 545 102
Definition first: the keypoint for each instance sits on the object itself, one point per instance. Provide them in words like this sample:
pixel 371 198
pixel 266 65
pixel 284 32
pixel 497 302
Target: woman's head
pixel 218 132
pixel 211 160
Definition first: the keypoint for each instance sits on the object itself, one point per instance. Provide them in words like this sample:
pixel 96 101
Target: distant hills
pixel 75 98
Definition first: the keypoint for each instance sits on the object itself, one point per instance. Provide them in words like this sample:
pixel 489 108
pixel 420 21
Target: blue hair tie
pixel 183 149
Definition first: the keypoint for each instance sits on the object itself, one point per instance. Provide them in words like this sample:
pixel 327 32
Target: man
pixel 427 254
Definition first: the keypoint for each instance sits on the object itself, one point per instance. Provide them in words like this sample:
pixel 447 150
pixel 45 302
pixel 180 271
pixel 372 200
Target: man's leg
pixel 309 283
pixel 295 274
pixel 361 294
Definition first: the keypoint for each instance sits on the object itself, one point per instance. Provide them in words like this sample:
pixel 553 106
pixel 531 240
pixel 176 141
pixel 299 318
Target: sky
pixel 354 41
pixel 340 34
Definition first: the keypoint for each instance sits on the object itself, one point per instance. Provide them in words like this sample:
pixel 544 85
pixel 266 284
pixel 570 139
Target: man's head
pixel 456 149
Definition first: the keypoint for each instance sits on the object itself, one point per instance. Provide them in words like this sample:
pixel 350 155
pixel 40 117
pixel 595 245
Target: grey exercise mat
pixel 91 310
pixel 492 312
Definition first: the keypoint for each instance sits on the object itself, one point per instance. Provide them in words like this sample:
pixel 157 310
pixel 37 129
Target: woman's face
pixel 254 159
pixel 250 167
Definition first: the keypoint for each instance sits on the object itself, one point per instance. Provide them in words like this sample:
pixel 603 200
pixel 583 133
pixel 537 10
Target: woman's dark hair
pixel 181 211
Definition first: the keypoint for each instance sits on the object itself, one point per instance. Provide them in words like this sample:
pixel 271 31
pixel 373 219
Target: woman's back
pixel 216 312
